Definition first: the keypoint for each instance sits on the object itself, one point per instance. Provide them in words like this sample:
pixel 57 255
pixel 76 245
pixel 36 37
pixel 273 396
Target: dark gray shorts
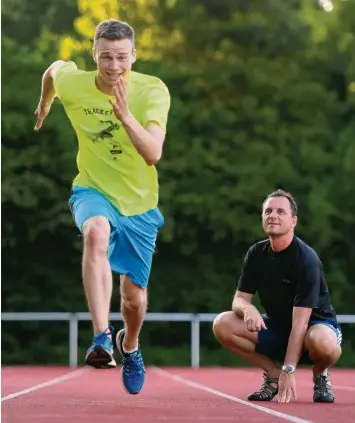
pixel 273 341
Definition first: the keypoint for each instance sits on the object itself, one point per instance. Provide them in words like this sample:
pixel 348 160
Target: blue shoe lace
pixel 133 363
pixel 103 337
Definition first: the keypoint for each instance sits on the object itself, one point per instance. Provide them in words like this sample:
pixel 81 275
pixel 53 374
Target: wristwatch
pixel 287 368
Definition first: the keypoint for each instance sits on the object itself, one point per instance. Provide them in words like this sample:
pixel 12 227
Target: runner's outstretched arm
pixel 47 93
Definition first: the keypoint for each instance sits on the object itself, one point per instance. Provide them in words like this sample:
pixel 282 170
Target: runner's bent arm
pixel 148 141
pixel 148 135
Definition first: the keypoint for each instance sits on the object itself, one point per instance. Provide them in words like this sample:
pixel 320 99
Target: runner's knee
pixel 96 231
pixel 132 295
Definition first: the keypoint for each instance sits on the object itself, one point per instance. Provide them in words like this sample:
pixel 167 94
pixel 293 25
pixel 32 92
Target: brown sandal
pixel 267 391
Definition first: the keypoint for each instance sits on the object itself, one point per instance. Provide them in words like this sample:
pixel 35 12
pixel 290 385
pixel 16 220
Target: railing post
pixel 195 341
pixel 73 340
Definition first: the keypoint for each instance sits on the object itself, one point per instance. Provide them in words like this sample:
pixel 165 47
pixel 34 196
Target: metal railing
pixel 74 318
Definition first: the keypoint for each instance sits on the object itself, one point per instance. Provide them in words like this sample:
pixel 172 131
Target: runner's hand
pixel 41 113
pixel 120 107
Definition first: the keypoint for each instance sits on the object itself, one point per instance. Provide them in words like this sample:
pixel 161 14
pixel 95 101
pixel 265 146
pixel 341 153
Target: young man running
pixel 120 119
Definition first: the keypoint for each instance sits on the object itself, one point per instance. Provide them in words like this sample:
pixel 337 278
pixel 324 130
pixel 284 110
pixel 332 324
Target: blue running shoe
pixel 133 371
pixel 100 353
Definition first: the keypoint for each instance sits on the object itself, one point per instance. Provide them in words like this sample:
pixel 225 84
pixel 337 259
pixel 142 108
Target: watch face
pixel 288 369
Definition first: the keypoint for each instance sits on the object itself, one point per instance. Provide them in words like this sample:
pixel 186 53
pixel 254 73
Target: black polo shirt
pixel 289 278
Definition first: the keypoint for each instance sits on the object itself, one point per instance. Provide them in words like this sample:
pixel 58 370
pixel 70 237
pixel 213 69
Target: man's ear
pixel 294 221
pixel 134 57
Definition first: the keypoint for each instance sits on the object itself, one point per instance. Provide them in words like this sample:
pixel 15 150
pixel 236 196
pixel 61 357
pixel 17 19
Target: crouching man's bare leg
pixel 231 332
pixel 323 346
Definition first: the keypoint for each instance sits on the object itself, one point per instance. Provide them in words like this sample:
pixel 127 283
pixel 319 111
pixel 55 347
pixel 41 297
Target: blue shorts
pixel 132 239
pixel 273 341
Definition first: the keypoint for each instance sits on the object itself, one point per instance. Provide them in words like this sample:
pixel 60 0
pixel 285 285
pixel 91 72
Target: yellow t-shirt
pixel 107 160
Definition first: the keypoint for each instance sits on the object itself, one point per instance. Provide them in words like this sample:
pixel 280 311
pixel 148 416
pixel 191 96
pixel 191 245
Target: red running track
pixel 56 395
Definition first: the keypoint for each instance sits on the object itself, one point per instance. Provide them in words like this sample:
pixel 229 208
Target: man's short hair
pixel 282 193
pixel 112 29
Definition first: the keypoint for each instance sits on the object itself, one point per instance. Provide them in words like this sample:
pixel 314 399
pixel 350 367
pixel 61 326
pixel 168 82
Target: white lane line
pixel 51 382
pixel 221 394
